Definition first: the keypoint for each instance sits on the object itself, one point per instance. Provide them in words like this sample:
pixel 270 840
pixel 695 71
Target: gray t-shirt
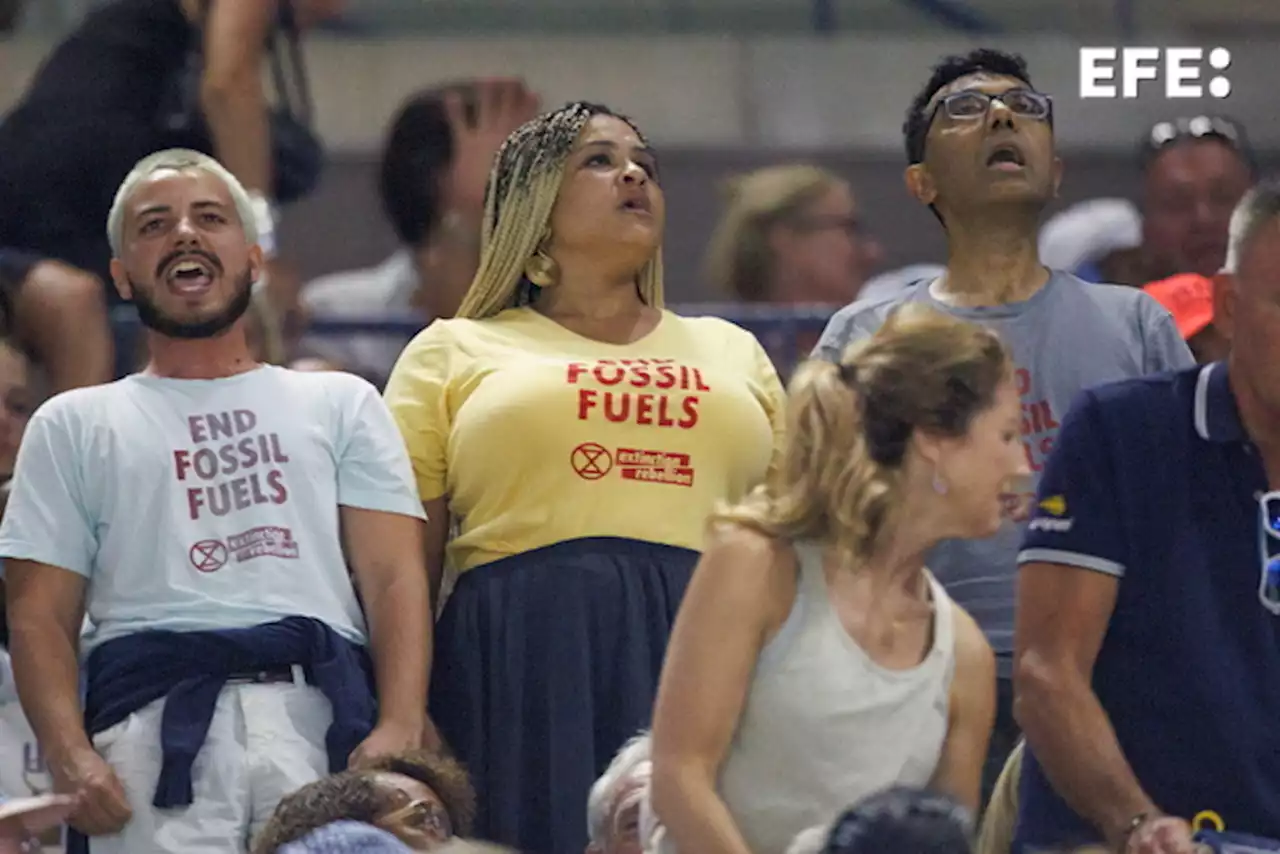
pixel 1068 336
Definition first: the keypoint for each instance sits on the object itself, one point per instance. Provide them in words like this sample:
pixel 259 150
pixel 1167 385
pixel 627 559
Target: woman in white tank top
pixel 815 660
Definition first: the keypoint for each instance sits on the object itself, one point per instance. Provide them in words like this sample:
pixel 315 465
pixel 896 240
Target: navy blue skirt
pixel 545 663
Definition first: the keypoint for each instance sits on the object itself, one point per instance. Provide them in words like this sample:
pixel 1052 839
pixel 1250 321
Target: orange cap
pixel 1189 298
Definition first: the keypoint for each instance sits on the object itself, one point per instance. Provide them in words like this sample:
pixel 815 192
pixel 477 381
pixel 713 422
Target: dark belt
pixel 275 676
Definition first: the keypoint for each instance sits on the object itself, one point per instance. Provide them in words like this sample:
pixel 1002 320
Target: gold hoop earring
pixel 541 269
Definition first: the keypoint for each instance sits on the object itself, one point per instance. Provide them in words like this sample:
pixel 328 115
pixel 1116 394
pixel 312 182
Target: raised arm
pixel 231 93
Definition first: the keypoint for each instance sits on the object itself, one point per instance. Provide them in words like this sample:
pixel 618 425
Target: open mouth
pixel 1006 158
pixel 637 205
pixel 189 276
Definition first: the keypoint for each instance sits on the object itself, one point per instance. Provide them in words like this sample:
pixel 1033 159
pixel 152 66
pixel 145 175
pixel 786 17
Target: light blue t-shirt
pixel 193 505
pixel 1066 337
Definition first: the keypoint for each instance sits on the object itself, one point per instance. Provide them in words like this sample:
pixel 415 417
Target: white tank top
pixel 824 725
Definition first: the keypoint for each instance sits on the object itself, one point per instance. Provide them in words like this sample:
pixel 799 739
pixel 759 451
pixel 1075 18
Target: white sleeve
pixel 374 472
pixel 46 519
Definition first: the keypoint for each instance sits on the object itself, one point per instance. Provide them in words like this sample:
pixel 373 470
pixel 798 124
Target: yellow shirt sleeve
pixel 417 394
pixel 774 401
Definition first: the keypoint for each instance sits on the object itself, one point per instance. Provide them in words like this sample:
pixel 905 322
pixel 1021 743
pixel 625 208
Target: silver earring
pixel 939 485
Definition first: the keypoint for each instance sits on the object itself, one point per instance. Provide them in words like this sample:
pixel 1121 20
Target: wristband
pixel 264 220
pixel 1134 823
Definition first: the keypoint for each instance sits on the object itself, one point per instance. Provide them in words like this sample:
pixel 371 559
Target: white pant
pixel 264 742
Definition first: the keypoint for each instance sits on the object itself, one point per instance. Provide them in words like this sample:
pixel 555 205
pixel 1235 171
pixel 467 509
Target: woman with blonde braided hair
pixel 575 436
pixel 815 659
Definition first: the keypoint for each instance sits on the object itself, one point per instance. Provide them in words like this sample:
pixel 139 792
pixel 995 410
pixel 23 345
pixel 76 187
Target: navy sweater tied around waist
pixel 190 669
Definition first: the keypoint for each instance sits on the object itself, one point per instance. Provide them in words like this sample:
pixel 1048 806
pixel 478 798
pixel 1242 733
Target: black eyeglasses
pixel 1269 538
pixel 971 104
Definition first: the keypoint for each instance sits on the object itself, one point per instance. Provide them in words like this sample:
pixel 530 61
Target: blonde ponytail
pixel 850 427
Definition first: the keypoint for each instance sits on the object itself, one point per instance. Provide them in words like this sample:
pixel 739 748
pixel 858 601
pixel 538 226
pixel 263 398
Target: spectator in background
pixel 17 401
pixel 614 804
pixel 59 315
pixel 433 783
pixel 422 798
pixel 434 167
pixel 579 434
pixel 980 144
pixel 22 767
pixel 903 821
pixel 1099 241
pixel 1147 654
pixel 1194 171
pixel 815 659
pixel 791 235
pixel 107 96
pixel 1189 298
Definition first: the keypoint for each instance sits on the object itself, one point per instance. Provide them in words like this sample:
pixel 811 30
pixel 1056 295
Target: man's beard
pixel 154 319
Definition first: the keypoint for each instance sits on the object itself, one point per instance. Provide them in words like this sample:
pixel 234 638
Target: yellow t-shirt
pixel 540 435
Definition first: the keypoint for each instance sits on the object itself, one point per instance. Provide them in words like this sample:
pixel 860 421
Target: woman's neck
pixel 591 300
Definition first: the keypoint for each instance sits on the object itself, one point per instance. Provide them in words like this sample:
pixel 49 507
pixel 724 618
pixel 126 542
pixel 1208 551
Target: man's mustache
pixel 188 253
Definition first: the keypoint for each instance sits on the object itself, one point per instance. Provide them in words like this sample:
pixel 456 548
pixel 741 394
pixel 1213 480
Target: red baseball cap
pixel 1189 298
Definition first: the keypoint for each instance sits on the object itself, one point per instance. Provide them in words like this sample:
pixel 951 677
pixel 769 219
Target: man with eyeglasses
pixel 1148 641
pixel 1194 171
pixel 979 141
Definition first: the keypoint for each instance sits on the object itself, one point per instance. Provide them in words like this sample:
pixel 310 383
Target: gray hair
pixel 1260 206
pixel 810 841
pixel 178 160
pixel 625 763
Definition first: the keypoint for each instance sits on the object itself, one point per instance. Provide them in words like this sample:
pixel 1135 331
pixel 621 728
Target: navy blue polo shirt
pixel 1154 481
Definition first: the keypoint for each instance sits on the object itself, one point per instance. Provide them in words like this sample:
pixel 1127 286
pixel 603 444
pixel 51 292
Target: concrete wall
pixel 715 106
pixel 722 92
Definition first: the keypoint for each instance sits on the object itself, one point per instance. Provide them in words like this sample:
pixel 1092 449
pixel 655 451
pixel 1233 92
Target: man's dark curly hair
pixel 356 796
pixel 442 774
pixel 946 72
pixel 350 795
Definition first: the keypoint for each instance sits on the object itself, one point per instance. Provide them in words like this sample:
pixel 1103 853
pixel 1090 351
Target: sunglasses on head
pixel 1184 129
pixel 1269 551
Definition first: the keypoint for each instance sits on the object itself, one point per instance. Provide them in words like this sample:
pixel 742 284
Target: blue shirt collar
pixel 1217 419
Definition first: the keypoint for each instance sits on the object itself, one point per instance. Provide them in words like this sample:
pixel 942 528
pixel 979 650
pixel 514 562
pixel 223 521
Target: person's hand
pixel 24 820
pixel 388 738
pixel 1161 835
pixel 102 805
pixel 501 106
pixel 431 738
